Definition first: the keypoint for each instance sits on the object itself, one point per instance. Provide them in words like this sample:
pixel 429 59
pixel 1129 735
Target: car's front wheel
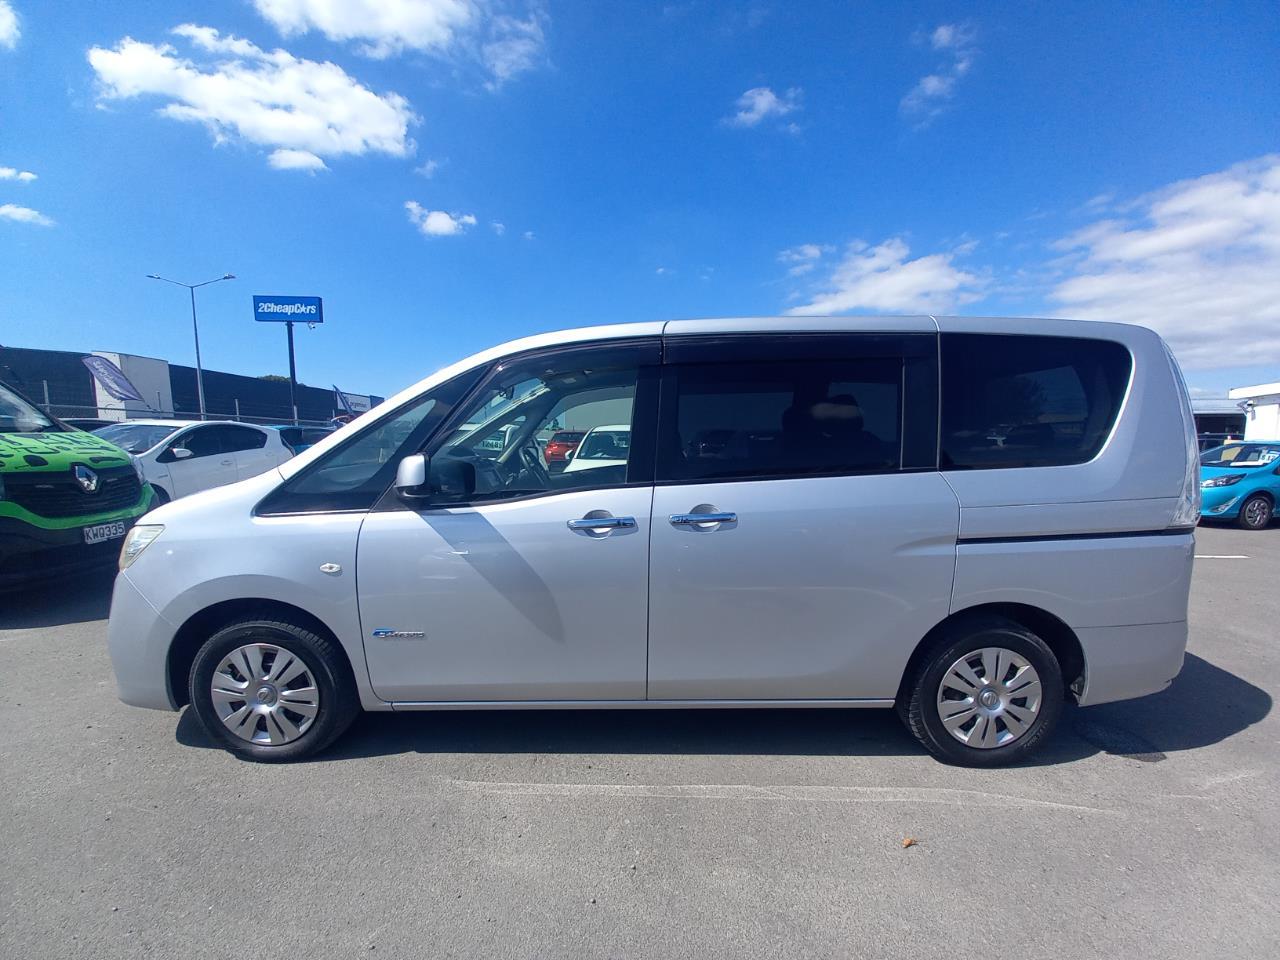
pixel 270 690
pixel 1255 513
pixel 987 694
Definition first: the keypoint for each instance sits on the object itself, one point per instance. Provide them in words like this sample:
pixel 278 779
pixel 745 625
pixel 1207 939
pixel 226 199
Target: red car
pixel 558 448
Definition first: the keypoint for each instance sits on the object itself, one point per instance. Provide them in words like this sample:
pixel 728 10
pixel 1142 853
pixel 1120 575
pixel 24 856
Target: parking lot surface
pixel 1147 829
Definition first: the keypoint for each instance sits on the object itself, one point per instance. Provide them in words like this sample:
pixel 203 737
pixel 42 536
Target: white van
pixel 971 520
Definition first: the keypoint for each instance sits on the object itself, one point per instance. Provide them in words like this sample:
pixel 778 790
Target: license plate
pixel 104 531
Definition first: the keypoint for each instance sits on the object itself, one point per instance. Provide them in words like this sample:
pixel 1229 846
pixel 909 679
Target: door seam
pixel 648 590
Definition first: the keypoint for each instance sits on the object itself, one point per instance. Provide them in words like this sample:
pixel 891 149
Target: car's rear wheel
pixel 271 690
pixel 987 694
pixel 1255 513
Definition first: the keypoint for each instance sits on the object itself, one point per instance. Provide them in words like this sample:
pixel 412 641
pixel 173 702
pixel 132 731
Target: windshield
pixel 1246 455
pixel 18 416
pixel 135 437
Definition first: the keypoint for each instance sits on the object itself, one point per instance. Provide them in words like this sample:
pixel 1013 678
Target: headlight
pixel 1227 481
pixel 137 468
pixel 139 539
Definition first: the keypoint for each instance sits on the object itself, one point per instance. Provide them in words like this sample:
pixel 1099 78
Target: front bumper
pixel 138 640
pixel 38 548
pixel 1220 501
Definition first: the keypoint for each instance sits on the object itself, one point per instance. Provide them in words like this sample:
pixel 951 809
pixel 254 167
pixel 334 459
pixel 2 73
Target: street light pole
pixel 195 327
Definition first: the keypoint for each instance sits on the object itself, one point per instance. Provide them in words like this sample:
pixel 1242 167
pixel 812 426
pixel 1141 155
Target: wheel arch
pixel 1061 639
pixel 202 624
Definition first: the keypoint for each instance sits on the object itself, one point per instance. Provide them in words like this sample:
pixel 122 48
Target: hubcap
pixel 1255 512
pixel 265 694
pixel 989 698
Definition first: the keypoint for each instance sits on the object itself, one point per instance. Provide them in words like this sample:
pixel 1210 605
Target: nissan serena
pixel 969 520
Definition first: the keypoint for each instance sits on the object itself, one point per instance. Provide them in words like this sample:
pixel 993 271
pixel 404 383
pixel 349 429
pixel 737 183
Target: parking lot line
pixel 737 791
pixel 1224 556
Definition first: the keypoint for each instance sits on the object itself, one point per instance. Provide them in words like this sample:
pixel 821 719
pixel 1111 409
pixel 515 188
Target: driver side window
pixel 498 448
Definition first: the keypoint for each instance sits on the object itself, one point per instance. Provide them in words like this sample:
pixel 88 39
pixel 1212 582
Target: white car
pixel 601 447
pixel 180 457
pixel 975 521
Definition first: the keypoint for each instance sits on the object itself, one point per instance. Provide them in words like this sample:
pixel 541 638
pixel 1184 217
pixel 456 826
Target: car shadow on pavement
pixel 1205 705
pixel 76 598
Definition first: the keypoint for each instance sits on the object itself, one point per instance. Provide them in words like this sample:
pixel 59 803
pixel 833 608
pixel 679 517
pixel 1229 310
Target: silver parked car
pixel 970 520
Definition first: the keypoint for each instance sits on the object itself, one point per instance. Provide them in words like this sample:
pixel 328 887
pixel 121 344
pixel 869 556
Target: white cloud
pixel 22 176
pixel 384 27
pixel 437 223
pixel 1199 261
pixel 498 227
pixel 428 168
pixel 9 30
pixel 11 211
pixel 514 46
pixel 955 44
pixel 760 103
pixel 527 235
pixel 503 44
pixel 803 258
pixel 295 160
pixel 270 98
pixel 883 278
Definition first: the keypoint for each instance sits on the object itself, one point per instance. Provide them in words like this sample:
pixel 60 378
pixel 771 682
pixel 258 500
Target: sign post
pixel 288 310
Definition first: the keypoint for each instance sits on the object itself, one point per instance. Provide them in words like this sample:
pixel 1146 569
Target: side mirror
pixel 181 453
pixel 568 454
pixel 411 476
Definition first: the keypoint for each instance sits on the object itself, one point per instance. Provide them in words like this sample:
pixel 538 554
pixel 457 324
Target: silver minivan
pixel 971 520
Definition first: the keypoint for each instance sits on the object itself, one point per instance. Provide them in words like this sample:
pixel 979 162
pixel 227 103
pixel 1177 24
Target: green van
pixel 67 498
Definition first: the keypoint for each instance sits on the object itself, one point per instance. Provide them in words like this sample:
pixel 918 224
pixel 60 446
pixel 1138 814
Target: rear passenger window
pixel 783 419
pixel 242 438
pixel 1020 401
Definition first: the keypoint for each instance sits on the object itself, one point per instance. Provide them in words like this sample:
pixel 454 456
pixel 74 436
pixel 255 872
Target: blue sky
pixel 449 174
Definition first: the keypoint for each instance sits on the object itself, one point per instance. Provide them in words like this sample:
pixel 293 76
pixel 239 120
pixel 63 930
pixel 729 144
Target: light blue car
pixel 1240 481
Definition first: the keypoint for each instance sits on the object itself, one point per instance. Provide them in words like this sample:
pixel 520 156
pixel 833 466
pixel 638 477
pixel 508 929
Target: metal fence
pixel 71 411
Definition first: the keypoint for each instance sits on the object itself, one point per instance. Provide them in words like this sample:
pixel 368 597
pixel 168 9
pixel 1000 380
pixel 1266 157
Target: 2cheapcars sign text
pixel 282 309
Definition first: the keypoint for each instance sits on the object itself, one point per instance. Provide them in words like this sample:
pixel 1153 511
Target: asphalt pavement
pixel 1147 829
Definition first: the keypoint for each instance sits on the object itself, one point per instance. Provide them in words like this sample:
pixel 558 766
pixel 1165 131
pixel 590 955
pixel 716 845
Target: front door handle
pixel 226 463
pixel 602 523
pixel 694 519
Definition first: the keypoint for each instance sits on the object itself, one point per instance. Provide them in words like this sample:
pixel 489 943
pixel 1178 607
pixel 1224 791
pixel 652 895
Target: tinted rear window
pixel 787 419
pixel 1017 401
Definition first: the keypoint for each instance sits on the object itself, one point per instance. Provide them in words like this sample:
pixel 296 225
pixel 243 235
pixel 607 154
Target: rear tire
pixel 269 690
pixel 987 694
pixel 1255 513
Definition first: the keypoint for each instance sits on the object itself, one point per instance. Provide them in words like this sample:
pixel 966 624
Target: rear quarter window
pixel 1026 401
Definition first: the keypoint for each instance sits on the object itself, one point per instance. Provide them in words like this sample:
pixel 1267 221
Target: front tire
pixel 269 690
pixel 986 695
pixel 1255 513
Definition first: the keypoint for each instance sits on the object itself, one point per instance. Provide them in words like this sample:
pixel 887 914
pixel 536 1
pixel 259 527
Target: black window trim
pixel 767 346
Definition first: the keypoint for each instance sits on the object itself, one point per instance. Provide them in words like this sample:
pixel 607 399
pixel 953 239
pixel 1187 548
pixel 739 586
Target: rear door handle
pixel 602 523
pixel 227 463
pixel 693 519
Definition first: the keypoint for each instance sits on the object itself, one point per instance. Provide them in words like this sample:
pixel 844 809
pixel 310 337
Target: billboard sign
pixel 283 309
